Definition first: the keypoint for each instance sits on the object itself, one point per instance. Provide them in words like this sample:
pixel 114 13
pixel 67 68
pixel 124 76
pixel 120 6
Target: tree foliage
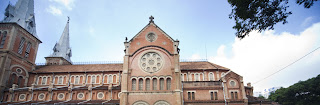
pixel 302 93
pixel 260 14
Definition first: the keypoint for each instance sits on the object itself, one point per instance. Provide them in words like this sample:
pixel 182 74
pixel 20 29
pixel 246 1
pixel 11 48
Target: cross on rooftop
pixel 151 18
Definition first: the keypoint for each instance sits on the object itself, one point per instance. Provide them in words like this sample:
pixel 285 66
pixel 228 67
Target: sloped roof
pixel 79 68
pixel 118 67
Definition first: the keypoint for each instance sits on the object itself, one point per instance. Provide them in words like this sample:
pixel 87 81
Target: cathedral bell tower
pixel 151 69
pixel 61 51
pixel 18 45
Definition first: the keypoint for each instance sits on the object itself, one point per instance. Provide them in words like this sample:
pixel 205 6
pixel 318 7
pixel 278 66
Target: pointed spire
pixel 62 48
pixel 22 13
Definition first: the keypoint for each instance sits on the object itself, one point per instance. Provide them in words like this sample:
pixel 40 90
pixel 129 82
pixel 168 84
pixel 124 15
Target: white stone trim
pixel 22 95
pixel 44 96
pixel 98 95
pixel 79 95
pixel 59 95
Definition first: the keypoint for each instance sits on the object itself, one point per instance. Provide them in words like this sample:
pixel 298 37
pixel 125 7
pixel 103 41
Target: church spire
pixel 62 48
pixel 22 13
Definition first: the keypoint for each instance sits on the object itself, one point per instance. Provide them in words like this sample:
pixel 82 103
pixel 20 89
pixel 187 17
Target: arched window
pixel 235 95
pixel 168 83
pixel 154 83
pixel 12 79
pixel 110 79
pixel 20 48
pixel 232 95
pixel 140 84
pixel 3 38
pixel 76 81
pixel 44 80
pixel 197 77
pixel 114 79
pixel 28 50
pixel 161 84
pixel 93 79
pixel 147 84
pixel 211 77
pixel 19 81
pixel 133 84
pixel 60 80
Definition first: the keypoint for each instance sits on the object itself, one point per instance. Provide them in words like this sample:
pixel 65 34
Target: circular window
pixel 151 62
pixel 60 96
pixel 41 96
pixel 100 95
pixel 80 95
pixel 19 70
pixel 22 96
pixel 232 83
pixel 151 37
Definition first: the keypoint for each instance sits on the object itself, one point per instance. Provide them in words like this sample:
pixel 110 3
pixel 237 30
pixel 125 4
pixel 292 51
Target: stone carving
pixel 151 62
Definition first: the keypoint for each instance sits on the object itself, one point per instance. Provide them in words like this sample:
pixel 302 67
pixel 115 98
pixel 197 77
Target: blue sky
pixel 98 29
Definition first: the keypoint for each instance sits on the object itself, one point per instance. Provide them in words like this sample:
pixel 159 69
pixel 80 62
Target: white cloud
pixel 307 21
pixel 195 57
pixel 262 54
pixel 54 10
pixel 69 4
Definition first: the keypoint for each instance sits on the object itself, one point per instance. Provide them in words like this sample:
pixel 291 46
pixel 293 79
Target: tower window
pixel 21 45
pixel 110 79
pixel 28 50
pixel 3 38
pixel 232 95
pixel 211 95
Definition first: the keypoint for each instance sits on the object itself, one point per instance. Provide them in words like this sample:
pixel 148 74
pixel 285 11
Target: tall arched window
pixel 12 79
pixel 168 83
pixel 161 84
pixel 140 84
pixel 147 84
pixel 232 95
pixel 3 38
pixel 19 81
pixel 133 84
pixel 28 50
pixel 20 48
pixel 211 77
pixel 154 83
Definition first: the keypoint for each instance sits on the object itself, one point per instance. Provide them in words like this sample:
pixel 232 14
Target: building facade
pixel 151 72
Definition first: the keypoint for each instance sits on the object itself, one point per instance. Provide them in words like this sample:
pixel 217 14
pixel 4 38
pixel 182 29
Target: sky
pixel 98 29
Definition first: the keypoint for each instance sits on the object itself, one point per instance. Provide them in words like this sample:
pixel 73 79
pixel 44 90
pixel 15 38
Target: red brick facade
pixel 151 74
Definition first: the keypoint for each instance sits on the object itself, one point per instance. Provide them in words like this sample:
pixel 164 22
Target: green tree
pixel 302 93
pixel 260 14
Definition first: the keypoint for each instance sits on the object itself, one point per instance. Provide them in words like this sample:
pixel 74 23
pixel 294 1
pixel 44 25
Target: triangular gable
pixel 152 23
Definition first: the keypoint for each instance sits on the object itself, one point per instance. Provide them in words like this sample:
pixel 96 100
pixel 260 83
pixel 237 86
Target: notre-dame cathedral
pixel 151 73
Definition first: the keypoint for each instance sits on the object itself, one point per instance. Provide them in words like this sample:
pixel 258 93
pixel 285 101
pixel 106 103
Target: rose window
pixel 151 62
